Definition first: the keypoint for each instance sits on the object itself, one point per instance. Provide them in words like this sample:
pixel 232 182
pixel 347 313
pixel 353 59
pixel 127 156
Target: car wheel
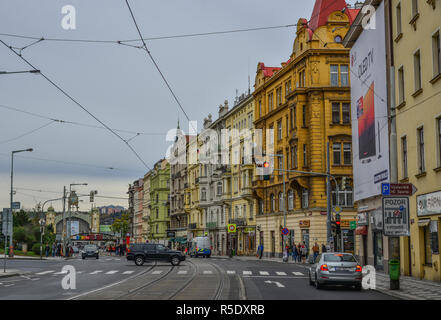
pixel 317 284
pixel 175 261
pixel 311 283
pixel 139 260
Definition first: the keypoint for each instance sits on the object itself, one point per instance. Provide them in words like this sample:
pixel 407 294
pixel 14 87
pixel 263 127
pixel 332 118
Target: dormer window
pixel 337 39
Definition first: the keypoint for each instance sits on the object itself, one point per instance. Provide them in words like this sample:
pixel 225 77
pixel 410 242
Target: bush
pixel 36 248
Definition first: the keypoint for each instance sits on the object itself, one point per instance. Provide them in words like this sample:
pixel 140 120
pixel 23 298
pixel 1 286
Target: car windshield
pixel 90 247
pixel 339 257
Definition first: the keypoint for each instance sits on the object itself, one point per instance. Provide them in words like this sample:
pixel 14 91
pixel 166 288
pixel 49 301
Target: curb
pixel 9 275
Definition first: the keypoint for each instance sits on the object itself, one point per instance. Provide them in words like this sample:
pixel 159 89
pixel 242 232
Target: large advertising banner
pixel 370 132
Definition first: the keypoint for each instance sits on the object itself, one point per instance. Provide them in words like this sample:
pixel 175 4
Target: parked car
pixel 200 246
pixel 90 250
pixel 336 269
pixel 141 253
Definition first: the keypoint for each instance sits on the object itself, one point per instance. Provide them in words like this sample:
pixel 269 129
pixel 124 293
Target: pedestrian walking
pixel 316 250
pixel 304 252
pixel 47 248
pixel 299 252
pixel 323 248
pixel 54 248
pixel 261 251
pixel 294 253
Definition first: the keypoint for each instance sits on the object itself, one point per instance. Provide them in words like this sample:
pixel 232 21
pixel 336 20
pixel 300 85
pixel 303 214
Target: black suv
pixel 153 252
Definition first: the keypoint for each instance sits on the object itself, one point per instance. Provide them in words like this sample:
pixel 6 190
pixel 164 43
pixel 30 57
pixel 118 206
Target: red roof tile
pixel 322 10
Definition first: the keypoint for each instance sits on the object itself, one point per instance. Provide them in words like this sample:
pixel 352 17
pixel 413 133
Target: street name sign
pixel 398 189
pixel 16 205
pixel 396 216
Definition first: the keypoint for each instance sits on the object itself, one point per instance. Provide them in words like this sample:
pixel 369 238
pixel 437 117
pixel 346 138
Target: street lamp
pixel 12 197
pixel 69 208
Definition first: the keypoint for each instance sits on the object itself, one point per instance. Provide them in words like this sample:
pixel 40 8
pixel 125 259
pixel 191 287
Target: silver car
pixel 335 268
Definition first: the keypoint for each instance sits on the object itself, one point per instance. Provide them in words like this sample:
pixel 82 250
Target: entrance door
pixel 305 237
pixel 273 244
pixel 378 250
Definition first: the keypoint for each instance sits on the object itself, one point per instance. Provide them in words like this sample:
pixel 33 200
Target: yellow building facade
pixel 306 102
pixel 417 59
pixel 238 193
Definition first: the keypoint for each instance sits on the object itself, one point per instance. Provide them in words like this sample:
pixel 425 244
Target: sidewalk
pixel 32 258
pixel 410 288
pixel 11 273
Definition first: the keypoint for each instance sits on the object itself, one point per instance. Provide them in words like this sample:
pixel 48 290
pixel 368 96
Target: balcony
pixel 247 192
pixel 211 225
pixel 238 222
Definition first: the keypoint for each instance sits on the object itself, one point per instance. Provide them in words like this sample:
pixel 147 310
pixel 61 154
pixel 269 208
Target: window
pixel 273 203
pixel 157 213
pixel 260 108
pixel 439 140
pixel 305 197
pixel 279 96
pixel 336 113
pixel 345 196
pixel 295 157
pixel 346 112
pixel 404 156
pixel 398 13
pixel 302 79
pixel 417 70
pixel 251 210
pixel 219 188
pixel 250 120
pixel 204 194
pixel 347 153
pixel 414 8
pixel 295 116
pixel 260 206
pixel 436 49
pixel 281 201
pixel 334 75
pixel 336 150
pixel 279 129
pixel 304 115
pixel 270 102
pixel 344 75
pixel 305 156
pixel 287 126
pixel 401 85
pixel 290 200
pixel 337 39
pixel 420 138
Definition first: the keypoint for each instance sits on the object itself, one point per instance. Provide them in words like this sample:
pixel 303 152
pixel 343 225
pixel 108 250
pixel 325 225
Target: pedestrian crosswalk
pixel 179 272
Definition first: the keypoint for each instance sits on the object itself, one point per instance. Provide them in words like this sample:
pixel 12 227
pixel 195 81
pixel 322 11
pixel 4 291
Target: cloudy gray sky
pixel 120 85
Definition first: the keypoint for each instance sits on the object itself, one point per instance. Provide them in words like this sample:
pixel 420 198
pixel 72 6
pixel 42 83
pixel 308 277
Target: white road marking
pixel 297 273
pixel 182 272
pixel 281 273
pixel 278 284
pixel 157 272
pixel 96 272
pixel 231 272
pixel 61 272
pixel 208 272
pixel 35 279
pixel 8 285
pixel 45 272
pixel 247 273
pixel 112 272
pixel 264 273
pixel 128 272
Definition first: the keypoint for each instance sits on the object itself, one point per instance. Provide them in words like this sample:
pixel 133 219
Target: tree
pixel 21 218
pixel 121 226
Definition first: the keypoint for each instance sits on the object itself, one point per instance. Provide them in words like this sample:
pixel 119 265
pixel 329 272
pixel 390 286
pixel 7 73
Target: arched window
pixel 290 200
pixel 273 203
pixel 305 198
pixel 203 194
pixel 281 202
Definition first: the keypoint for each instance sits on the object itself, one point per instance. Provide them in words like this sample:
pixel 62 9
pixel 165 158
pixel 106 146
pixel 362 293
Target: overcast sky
pixel 120 85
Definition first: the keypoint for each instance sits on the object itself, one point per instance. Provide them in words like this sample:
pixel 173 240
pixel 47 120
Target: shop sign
pixel 362 219
pixel 429 204
pixel 304 223
pixel 344 224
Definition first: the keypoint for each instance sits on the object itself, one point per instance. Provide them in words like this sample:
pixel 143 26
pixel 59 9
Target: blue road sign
pixel 385 189
pixel 285 231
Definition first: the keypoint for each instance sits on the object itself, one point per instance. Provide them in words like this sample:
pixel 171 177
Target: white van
pixel 200 246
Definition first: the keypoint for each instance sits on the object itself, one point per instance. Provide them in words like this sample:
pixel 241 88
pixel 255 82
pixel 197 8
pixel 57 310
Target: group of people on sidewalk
pixel 299 253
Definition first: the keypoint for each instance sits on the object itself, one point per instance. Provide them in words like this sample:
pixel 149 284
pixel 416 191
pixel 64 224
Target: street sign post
pixel 396 216
pixel 7 222
pixel 398 189
pixel 16 205
pixel 231 228
pixel 285 231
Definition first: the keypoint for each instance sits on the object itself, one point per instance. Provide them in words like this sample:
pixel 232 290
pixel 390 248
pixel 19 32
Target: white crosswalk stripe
pixel 281 273
pixel 61 272
pixel 96 272
pixel 182 272
pixel 263 273
pixel 231 272
pixel 157 272
pixel 128 272
pixel 208 272
pixel 297 273
pixel 45 272
pixel 247 273
pixel 112 272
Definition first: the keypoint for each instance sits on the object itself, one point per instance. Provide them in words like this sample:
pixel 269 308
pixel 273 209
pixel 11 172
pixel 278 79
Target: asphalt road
pixel 115 278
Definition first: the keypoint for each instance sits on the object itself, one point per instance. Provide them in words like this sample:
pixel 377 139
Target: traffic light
pixel 264 168
pixel 92 194
pixel 337 223
pixel 266 165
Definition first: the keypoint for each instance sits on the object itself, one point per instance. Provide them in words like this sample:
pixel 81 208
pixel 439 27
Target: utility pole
pixel 63 231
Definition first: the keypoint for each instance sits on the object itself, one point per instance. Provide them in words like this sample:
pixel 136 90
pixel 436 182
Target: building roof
pixel 268 71
pixel 322 10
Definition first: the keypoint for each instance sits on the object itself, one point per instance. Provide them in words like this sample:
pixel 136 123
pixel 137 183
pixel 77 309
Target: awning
pixel 423 223
pixel 181 240
pixel 362 230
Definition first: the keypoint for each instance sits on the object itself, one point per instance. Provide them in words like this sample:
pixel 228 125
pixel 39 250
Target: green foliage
pixel 21 218
pixel 36 248
pixel 121 226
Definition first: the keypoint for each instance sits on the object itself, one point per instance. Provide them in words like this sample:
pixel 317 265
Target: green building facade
pixel 159 200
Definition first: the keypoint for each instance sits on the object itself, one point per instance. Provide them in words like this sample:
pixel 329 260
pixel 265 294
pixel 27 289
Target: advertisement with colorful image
pixel 369 110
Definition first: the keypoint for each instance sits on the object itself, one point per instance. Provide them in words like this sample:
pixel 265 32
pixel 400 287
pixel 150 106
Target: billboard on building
pixel 370 132
pixel 74 228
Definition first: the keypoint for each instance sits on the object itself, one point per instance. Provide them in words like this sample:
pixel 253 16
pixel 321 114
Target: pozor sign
pixel 396 216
